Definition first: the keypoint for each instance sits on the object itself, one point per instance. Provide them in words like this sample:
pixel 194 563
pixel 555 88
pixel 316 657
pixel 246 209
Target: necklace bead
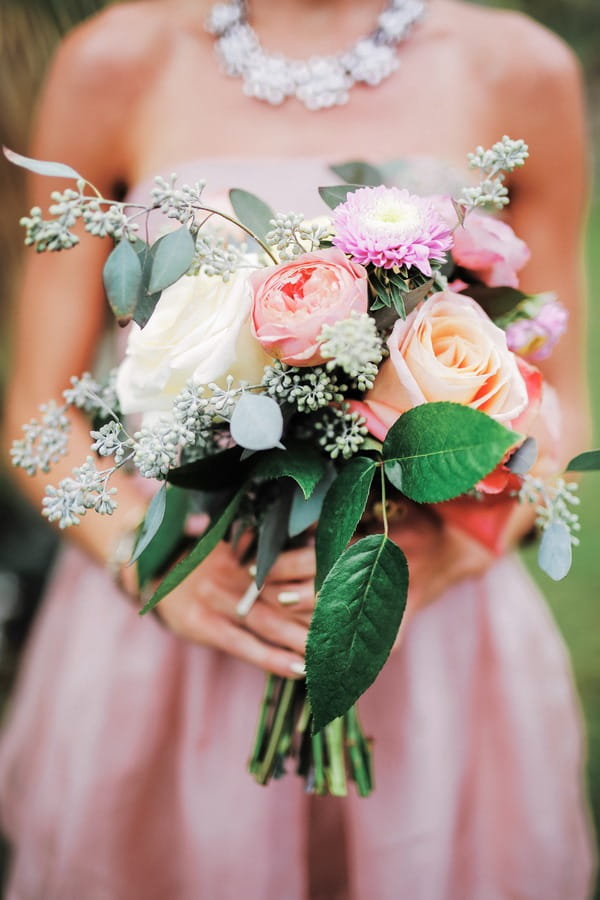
pixel 319 82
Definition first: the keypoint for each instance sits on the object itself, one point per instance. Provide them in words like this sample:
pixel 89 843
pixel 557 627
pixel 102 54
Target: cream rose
pixel 199 329
pixel 446 349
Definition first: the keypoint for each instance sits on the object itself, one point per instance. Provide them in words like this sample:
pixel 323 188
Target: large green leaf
pixel 440 450
pixel 273 532
pixel 122 277
pixel 354 625
pixel 300 461
pixel 252 212
pixel 160 548
pixel 203 548
pixel 359 172
pixel 172 255
pixel 305 513
pixel 585 462
pixel 496 301
pixel 337 193
pixel 216 472
pixel 343 507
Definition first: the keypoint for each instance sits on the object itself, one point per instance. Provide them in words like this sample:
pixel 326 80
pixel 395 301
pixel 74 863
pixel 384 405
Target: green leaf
pixel 337 193
pixel 585 462
pixel 273 533
pixel 495 302
pixel 122 277
pixel 305 513
pixel 252 212
pixel 256 422
pixel 299 461
pixel 41 166
pixel 152 521
pixel 440 450
pixel 413 297
pixel 146 302
pixel 164 543
pixel 203 548
pixel 359 172
pixel 342 510
pixel 555 553
pixel 211 473
pixel 354 625
pixel 172 255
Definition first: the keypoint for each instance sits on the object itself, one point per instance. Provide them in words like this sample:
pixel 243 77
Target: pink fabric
pixel 122 765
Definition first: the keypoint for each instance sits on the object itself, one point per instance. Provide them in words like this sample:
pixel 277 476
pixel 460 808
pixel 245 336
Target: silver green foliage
pixel 354 346
pixel 306 389
pixel 292 236
pixel 553 501
pixel 341 432
pixel 505 156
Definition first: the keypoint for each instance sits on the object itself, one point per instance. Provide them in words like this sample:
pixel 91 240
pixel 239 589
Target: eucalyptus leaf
pixel 585 462
pixel 252 212
pixel 163 545
pixel 437 451
pixel 207 543
pixel 359 172
pixel 172 256
pixel 146 302
pixel 555 553
pixel 354 625
pixel 273 533
pixel 122 277
pixel 300 461
pixel 256 422
pixel 337 193
pixel 342 510
pixel 305 513
pixel 40 166
pixel 524 457
pixel 152 522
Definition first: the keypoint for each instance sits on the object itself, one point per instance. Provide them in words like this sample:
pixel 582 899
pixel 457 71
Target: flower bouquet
pixel 301 381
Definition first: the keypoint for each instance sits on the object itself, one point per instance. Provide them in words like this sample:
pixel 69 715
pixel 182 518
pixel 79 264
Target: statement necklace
pixel 318 82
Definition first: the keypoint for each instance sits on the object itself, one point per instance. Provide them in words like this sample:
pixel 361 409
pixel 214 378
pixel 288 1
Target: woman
pixel 123 763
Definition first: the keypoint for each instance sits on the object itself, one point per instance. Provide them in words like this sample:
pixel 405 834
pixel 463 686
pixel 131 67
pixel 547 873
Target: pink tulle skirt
pixel 123 763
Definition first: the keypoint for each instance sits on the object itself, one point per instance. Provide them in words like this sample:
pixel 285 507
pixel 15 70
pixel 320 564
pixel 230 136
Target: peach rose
pixel 446 349
pixel 294 300
pixel 490 248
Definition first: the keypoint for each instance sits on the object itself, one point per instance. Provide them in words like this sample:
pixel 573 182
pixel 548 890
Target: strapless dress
pixel 123 760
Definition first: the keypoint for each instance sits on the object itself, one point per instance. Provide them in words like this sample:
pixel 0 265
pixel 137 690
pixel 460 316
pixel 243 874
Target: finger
pixel 274 626
pixel 250 648
pixel 294 596
pixel 294 565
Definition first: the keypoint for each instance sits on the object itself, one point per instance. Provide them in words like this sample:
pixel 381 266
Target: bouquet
pixel 301 379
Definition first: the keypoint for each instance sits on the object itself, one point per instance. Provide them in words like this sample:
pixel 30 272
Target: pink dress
pixel 123 761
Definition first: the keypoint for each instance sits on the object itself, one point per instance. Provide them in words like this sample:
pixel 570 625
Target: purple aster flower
pixel 536 338
pixel 390 227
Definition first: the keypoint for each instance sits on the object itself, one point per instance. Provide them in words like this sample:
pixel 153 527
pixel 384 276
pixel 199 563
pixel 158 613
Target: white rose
pixel 199 329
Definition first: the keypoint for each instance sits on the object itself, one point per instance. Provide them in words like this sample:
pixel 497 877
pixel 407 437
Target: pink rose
pixel 446 349
pixel 490 249
pixel 294 300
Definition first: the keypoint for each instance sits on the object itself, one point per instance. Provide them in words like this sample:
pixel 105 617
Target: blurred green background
pixel 29 29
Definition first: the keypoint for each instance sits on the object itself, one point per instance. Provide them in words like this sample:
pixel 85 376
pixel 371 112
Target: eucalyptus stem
pixel 248 231
pixel 265 710
pixel 264 770
pixel 336 770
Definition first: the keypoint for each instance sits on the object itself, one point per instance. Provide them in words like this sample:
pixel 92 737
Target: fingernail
pixel 252 570
pixel 247 601
pixel 298 668
pixel 287 598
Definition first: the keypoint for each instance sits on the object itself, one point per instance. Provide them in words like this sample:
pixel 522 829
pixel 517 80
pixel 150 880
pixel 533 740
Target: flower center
pixel 394 217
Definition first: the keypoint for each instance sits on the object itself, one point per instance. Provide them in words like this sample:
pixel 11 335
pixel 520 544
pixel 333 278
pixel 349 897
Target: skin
pixel 137 88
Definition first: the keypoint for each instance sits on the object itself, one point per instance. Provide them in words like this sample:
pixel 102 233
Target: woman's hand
pixel 202 609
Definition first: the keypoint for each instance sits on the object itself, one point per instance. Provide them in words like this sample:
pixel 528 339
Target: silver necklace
pixel 318 82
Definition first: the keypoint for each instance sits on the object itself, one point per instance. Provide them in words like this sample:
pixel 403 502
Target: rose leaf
pixel 437 451
pixel 354 625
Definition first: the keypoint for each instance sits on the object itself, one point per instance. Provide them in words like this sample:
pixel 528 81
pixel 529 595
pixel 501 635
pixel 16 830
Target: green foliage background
pixel 29 29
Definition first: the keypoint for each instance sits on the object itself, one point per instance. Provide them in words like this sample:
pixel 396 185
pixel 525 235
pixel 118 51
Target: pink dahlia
pixel 390 227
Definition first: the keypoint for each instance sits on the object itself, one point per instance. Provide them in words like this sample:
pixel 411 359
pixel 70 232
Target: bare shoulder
pixel 506 44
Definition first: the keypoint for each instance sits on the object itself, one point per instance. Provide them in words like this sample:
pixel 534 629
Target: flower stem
pixel 360 754
pixel 336 770
pixel 265 710
pixel 265 769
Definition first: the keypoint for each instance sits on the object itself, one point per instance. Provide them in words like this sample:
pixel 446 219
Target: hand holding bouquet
pixel 305 381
